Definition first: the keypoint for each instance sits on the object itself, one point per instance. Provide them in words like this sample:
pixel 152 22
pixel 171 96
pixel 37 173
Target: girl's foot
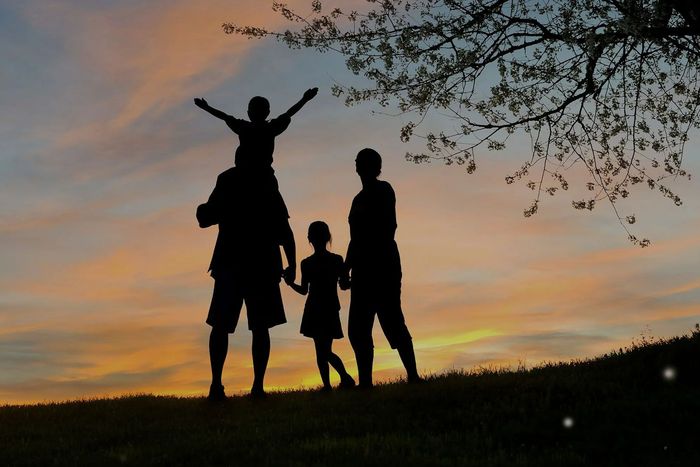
pixel 346 382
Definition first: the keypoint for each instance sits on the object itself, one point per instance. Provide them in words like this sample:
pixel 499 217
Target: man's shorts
pixel 263 302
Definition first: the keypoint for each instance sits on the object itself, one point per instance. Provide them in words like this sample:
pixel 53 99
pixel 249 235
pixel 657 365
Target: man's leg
pixel 218 348
pixel 223 316
pixel 261 355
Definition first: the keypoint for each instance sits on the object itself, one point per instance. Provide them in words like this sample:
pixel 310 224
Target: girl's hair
pixel 319 232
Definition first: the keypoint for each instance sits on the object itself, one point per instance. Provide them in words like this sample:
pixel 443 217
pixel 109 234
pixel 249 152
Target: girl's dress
pixel 322 310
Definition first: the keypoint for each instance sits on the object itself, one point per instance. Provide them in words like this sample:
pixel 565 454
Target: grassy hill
pixel 627 408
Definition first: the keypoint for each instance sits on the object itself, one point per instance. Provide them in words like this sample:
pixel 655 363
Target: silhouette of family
pixel 247 264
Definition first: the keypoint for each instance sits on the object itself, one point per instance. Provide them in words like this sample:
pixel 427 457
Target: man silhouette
pixel 373 258
pixel 246 266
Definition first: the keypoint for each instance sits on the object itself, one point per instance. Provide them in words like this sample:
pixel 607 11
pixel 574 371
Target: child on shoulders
pixel 257 135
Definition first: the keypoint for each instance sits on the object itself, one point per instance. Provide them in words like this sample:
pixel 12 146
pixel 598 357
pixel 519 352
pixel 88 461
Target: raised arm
pixel 308 95
pixel 204 105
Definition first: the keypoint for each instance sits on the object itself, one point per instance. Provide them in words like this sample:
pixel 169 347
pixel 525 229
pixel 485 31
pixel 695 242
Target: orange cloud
pixel 154 56
pixel 482 285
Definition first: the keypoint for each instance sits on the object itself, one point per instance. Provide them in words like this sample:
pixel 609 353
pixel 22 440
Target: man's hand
pixel 310 94
pixel 290 274
pixel 200 102
pixel 205 216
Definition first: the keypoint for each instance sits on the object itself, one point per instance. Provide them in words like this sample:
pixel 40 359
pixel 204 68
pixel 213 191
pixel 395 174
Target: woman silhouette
pixel 373 258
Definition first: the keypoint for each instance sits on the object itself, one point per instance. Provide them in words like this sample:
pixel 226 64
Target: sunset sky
pixel 104 158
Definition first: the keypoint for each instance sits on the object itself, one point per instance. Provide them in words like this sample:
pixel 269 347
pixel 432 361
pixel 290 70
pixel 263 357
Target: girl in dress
pixel 320 274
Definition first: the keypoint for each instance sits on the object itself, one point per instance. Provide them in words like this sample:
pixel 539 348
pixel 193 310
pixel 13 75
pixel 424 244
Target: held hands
pixel 289 275
pixel 200 102
pixel 344 280
pixel 344 283
pixel 310 94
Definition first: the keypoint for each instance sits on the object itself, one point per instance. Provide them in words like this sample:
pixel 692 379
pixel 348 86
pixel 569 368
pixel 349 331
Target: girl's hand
pixel 200 102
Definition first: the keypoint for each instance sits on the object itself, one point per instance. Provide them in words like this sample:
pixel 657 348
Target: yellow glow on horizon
pixel 456 339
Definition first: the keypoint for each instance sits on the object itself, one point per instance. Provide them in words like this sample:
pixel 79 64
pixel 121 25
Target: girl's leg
pixel 261 354
pixel 323 349
pixel 337 363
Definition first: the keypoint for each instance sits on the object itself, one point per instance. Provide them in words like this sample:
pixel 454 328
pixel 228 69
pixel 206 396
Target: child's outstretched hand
pixel 200 102
pixel 310 94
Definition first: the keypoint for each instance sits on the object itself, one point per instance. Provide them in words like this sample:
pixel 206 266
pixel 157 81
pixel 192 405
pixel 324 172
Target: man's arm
pixel 303 288
pixel 290 251
pixel 206 216
pixel 308 95
pixel 344 274
pixel 344 280
pixel 202 104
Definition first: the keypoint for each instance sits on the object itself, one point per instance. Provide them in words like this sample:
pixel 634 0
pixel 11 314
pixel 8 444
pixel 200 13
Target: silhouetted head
pixel 319 234
pixel 368 163
pixel 258 109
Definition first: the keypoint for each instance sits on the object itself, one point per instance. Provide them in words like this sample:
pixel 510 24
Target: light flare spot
pixel 669 373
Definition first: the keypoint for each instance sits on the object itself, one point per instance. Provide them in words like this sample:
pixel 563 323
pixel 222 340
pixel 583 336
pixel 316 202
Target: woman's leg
pixel 360 321
pixel 323 349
